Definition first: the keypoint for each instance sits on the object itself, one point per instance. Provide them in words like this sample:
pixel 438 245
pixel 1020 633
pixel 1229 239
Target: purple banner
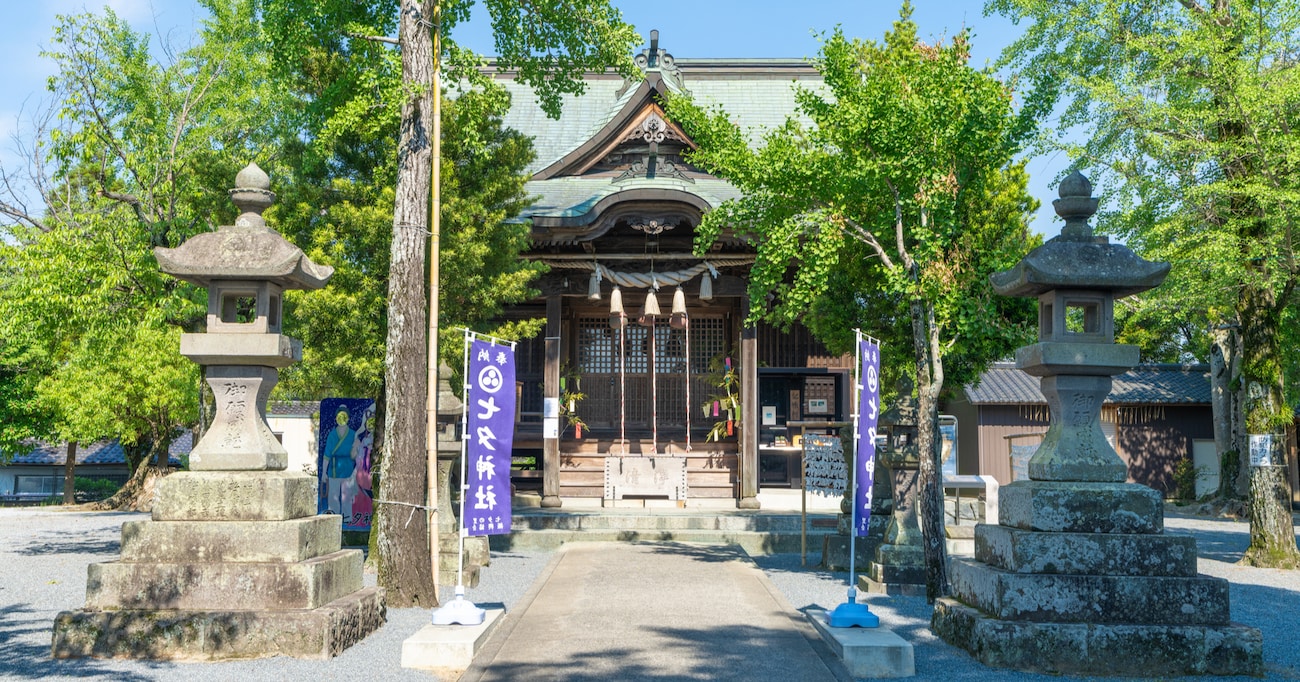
pixel 491 431
pixel 868 415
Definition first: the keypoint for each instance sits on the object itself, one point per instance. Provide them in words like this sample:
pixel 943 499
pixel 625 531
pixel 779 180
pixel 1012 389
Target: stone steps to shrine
pixel 755 533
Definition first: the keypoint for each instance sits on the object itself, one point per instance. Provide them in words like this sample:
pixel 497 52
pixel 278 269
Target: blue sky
pixel 687 28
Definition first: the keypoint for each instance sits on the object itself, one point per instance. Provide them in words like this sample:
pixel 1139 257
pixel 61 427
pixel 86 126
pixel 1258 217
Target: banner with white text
pixel 491 430
pixel 868 415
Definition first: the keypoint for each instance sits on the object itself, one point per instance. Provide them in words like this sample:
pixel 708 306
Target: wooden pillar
pixel 749 420
pixel 551 397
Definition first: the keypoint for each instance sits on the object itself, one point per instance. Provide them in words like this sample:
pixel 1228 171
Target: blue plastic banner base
pixel 851 614
pixel 460 611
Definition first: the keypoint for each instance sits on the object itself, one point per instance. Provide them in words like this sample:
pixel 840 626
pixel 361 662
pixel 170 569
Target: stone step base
pixel 1137 600
pixel 1100 649
pixel 230 541
pixel 185 635
pixel 235 496
pixel 669 521
pixel 1024 551
pixel 226 586
pixel 1081 507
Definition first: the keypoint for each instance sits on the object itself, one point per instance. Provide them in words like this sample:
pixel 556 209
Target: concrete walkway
pixel 654 611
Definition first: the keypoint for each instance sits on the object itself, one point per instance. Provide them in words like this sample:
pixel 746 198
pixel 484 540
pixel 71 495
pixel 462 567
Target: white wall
pixel 298 434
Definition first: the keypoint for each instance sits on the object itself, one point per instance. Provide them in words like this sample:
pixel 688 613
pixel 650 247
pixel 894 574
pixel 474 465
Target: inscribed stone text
pixel 236 405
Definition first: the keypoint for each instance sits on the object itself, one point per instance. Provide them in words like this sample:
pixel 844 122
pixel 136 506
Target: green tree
pixel 890 208
pixel 344 222
pixel 137 154
pixel 1189 108
pixel 339 50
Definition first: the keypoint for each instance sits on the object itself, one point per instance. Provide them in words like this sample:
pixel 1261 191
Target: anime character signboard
pixel 343 463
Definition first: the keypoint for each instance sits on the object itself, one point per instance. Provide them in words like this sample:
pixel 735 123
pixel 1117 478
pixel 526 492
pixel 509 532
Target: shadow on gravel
pixel 70 543
pixel 21 658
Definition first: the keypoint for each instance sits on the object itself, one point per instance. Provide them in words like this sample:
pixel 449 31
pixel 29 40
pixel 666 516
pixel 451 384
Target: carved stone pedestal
pixel 1080 579
pixel 232 565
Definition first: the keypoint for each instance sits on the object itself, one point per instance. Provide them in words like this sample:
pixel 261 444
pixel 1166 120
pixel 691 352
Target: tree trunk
pixel 1272 532
pixel 402 540
pixel 376 469
pixel 70 474
pixel 929 382
pixel 138 492
pixel 1225 365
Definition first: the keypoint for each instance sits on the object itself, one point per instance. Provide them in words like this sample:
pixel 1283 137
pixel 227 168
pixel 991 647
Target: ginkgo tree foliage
pixel 134 154
pixel 884 205
pixel 1188 111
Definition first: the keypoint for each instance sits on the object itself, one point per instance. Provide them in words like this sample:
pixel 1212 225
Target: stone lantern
pixel 246 268
pixel 1078 577
pixel 235 562
pixel 898 563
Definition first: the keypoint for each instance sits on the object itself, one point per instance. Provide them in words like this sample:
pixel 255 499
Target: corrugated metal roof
pixel 1163 384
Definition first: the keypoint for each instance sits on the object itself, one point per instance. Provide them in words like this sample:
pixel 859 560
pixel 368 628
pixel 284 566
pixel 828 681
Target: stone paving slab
pixel 867 652
pixel 655 612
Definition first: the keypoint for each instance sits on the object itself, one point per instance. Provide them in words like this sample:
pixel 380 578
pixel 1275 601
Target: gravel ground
pixel 44 554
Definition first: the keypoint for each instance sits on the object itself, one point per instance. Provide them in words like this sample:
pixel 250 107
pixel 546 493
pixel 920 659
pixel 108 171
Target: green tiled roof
pixel 755 99
pixel 574 196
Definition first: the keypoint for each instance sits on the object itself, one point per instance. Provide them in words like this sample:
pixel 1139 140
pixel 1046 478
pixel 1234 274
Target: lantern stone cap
pixel 247 250
pixel 1076 259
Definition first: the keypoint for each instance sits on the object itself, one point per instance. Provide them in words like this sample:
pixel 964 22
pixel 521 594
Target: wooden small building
pixel 1155 416
pixel 618 205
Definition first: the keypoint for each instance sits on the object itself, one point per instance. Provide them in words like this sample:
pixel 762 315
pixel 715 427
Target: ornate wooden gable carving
pixel 639 142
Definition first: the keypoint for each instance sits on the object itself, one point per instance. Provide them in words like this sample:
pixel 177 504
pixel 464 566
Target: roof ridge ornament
pixel 658 60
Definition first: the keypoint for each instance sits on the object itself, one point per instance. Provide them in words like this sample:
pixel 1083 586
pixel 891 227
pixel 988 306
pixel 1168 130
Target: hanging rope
pixel 642 280
pixel 622 388
pixel 687 379
pixel 654 393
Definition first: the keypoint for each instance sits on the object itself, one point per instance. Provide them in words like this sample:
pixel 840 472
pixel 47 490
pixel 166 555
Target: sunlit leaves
pixel 906 156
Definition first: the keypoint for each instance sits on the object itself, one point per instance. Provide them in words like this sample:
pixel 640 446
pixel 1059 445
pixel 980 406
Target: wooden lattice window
pixel 530 374
pixel 598 363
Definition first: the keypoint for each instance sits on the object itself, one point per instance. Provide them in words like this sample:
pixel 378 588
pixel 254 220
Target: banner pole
pixel 464 457
pixel 857 417
pixel 851 613
pixel 460 610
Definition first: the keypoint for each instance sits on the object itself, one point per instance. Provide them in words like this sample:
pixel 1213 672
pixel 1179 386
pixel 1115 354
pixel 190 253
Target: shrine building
pixel 617 210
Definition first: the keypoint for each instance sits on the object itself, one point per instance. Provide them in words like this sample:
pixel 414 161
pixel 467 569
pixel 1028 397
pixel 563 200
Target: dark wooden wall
pixel 1151 440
